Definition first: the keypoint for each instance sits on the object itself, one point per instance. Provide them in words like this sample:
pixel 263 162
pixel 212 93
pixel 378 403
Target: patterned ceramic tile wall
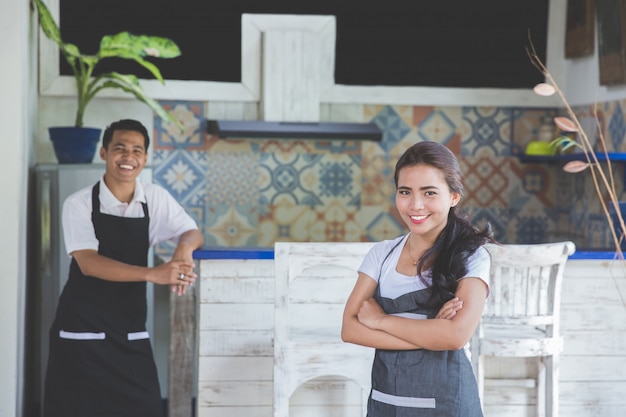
pixel 256 192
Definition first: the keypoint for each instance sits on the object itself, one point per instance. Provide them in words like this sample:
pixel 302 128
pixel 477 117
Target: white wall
pixel 15 117
pixel 582 81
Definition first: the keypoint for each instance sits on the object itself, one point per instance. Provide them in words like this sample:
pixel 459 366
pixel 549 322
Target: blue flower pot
pixel 74 145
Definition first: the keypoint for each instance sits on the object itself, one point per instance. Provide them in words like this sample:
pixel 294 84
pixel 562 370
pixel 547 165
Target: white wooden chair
pixel 521 316
pixel 313 282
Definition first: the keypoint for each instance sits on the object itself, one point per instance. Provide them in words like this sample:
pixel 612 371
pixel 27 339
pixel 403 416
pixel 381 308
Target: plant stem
pixel 82 76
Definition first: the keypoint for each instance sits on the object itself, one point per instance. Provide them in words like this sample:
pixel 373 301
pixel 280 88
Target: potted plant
pixel 122 45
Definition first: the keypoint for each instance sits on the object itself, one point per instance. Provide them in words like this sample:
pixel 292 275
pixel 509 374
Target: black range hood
pixel 293 130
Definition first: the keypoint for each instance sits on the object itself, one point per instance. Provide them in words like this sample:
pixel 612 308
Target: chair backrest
pixel 313 282
pixel 525 284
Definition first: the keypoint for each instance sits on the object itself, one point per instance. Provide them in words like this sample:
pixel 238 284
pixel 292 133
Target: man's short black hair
pixel 125 124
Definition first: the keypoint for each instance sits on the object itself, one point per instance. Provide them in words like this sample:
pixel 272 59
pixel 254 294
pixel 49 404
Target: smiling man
pixel 101 361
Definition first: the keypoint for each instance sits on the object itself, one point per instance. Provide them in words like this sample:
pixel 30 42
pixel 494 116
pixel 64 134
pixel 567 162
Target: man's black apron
pixel 101 361
pixel 421 382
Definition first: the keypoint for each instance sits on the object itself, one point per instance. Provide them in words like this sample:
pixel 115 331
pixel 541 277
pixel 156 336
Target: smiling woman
pixel 452 43
pixel 419 297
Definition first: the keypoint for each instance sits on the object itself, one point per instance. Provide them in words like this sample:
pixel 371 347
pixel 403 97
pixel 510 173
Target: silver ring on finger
pixel 181 277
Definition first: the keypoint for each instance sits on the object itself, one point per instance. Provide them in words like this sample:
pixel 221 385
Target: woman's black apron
pixel 101 361
pixel 424 383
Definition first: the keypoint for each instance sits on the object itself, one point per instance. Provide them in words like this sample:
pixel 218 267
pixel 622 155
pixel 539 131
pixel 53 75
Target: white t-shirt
pixel 394 284
pixel 168 219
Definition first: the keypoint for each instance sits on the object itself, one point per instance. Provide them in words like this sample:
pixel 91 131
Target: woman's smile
pixel 418 219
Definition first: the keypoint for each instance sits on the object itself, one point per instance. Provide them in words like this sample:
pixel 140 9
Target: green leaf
pixel 158 47
pixel 130 84
pixel 90 60
pixel 564 143
pixel 71 50
pixel 47 23
pixel 129 46
pixel 152 68
pixel 568 145
pixel 556 143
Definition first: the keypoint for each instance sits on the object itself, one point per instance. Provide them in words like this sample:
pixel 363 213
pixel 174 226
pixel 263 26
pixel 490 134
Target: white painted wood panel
pixel 244 316
pixel 236 355
pixel 291 76
pixel 229 110
pixel 234 368
pixel 236 343
pixel 238 290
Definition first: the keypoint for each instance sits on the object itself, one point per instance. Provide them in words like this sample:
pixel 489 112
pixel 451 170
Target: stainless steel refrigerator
pixel 53 183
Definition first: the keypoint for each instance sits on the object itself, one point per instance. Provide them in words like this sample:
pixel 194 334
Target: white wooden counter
pixel 235 322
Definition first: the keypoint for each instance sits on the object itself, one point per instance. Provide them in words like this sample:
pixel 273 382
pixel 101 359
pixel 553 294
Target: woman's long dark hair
pixel 448 256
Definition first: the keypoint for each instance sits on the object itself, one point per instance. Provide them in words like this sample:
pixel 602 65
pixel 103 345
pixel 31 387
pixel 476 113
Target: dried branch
pixel 602 179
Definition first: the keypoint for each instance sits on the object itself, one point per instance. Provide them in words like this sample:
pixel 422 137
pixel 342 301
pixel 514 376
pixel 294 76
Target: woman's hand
pixel 449 309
